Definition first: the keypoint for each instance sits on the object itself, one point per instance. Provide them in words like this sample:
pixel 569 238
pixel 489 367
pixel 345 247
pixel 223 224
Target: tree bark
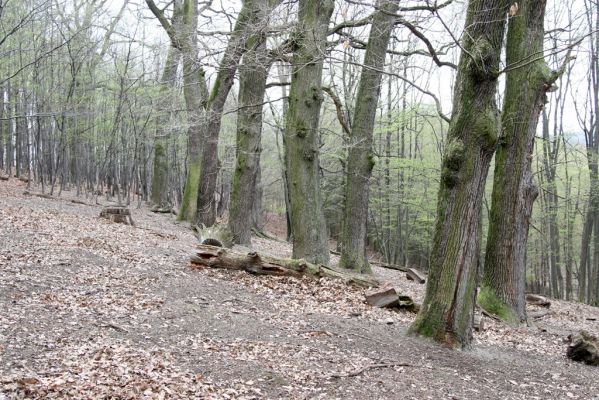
pixel 446 315
pixel 361 158
pixel 503 282
pixel 310 239
pixel 252 86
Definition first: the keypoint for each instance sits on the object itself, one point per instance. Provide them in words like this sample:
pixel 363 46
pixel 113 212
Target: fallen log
pixel 415 275
pixel 260 264
pixel 389 266
pixel 537 300
pixel 3 178
pixel 583 347
pixel 539 314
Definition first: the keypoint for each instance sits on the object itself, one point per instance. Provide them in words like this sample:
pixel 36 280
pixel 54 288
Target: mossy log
pixel 260 264
pixel 584 347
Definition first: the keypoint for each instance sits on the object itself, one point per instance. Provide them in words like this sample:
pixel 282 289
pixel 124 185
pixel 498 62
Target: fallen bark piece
pixel 118 214
pixel 415 275
pixel 388 297
pixel 583 347
pixel 260 264
pixel 538 314
pixel 536 300
pixel 385 296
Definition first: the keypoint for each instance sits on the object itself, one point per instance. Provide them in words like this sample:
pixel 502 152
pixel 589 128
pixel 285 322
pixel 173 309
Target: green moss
pixel 493 304
pixel 487 127
pixel 190 196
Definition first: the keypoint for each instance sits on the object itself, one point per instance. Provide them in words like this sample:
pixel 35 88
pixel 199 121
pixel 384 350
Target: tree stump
pixel 216 235
pixel 118 214
pixel 584 347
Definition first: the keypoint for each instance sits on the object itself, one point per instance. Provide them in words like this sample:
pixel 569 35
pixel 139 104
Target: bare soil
pixel 94 309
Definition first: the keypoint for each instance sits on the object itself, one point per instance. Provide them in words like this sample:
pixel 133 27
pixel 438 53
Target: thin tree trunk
pixel 361 158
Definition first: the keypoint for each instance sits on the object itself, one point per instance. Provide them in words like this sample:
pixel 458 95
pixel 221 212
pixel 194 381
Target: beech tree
pixel 447 311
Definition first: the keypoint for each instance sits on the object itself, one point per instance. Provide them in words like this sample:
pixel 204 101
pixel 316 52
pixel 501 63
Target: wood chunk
pixel 415 275
pixel 382 297
pixel 478 323
pixel 261 264
pixel 583 347
pixel 3 178
pixel 218 235
pixel 118 214
pixel 537 300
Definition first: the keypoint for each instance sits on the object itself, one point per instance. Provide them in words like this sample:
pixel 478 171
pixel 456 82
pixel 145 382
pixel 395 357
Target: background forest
pixel 95 94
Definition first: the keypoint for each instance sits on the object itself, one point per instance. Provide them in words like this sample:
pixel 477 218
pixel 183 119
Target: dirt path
pixel 91 309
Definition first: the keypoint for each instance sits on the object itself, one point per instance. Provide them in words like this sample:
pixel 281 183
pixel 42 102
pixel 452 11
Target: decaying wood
pixel 584 347
pixel 536 300
pixel 478 323
pixel 162 210
pixel 371 366
pixel 24 179
pixel 118 214
pixel 260 264
pixel 415 275
pixel 387 296
pixel 3 178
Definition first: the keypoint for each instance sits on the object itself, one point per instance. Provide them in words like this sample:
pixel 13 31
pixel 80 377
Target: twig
pixel 113 326
pixel 371 366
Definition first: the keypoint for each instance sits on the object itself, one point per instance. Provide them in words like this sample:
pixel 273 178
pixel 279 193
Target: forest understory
pixel 94 309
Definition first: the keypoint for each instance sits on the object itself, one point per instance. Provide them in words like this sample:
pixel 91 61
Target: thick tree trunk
pixel 503 283
pixel 310 239
pixel 446 315
pixel 252 86
pixel 361 158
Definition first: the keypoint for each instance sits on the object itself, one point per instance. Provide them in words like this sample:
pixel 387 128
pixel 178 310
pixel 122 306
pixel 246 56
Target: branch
pixel 427 42
pixel 339 108
pixel 170 30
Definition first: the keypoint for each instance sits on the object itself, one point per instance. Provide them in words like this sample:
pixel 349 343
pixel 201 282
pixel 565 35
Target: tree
pixel 447 311
pixel 503 282
pixel 361 158
pixel 253 74
pixel 310 238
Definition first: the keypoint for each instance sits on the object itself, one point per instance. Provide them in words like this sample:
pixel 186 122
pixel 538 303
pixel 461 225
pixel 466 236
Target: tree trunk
pixel 310 239
pixel 252 86
pixel 446 315
pixel 160 195
pixel 361 158
pixel 503 282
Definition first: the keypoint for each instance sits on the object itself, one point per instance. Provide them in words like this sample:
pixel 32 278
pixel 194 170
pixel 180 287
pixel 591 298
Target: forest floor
pixel 92 309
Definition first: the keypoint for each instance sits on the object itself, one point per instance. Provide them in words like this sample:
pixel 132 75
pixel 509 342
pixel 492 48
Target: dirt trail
pixel 92 309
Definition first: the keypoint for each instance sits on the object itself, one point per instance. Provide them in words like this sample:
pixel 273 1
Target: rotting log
pixel 415 275
pixel 536 300
pixel 118 214
pixel 584 347
pixel 261 264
